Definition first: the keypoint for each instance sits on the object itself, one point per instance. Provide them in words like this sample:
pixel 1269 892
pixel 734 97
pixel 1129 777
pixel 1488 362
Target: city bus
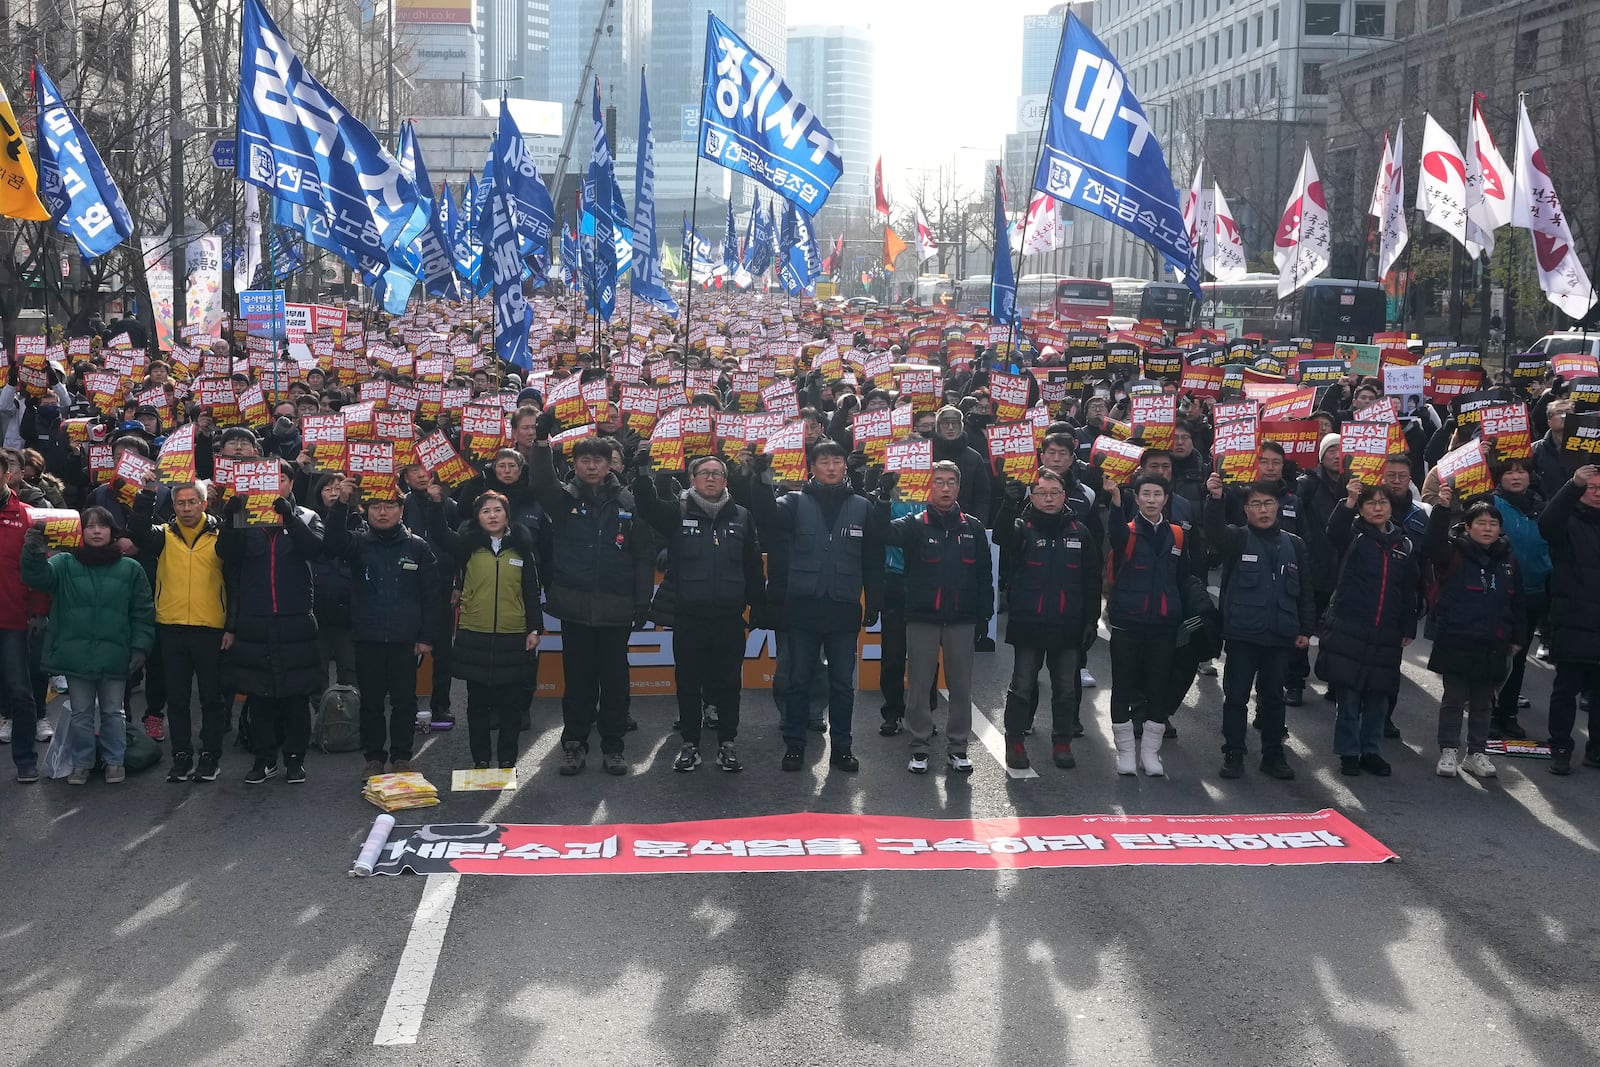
pixel 1140 298
pixel 1327 309
pixel 973 294
pixel 934 290
pixel 1082 299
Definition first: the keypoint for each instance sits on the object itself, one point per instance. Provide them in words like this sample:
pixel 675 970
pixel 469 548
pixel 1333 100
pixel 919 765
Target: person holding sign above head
pixel 271 633
pixel 1571 526
pixel 1477 624
pixel 1149 562
pixel 1372 617
pixel 1267 612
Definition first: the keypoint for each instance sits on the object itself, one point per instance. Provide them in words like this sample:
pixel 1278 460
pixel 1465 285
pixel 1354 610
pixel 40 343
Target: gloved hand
pixel 870 619
pixel 886 483
pixel 641 619
pixel 136 661
pixel 234 505
pixel 282 506
pixel 34 537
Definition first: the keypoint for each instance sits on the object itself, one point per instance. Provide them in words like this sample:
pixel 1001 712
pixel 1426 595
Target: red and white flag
pixel 1389 202
pixel 877 188
pixel 1488 183
pixel 1225 256
pixel 1303 246
pixel 1536 208
pixel 927 246
pixel 1040 229
pixel 1442 183
pixel 1197 216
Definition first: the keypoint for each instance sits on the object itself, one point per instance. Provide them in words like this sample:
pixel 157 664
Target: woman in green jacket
pixel 102 624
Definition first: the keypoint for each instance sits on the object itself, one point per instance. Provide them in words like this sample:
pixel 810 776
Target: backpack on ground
pixel 338 724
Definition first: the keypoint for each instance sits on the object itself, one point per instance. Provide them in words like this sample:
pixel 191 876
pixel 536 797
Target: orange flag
pixel 892 247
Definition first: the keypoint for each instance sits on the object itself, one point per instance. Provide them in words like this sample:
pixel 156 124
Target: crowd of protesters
pixel 1298 572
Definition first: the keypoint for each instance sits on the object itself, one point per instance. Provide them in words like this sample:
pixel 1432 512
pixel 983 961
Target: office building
pixel 831 71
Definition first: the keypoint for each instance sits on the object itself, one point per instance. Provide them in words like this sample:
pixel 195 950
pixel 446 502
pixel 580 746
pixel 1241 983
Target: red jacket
pixel 17 601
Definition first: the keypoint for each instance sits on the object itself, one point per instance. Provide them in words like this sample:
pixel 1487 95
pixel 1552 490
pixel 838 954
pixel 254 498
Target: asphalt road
pixel 214 924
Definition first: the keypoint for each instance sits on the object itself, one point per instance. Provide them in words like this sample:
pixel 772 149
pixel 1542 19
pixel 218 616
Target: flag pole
pixel 1038 154
pixel 694 225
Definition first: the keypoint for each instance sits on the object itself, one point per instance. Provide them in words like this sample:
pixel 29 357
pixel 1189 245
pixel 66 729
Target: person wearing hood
pixel 191 611
pixel 1372 617
pixel 599 576
pixel 713 575
pixel 1520 505
pixel 271 632
pixel 41 430
pixel 1478 622
pixel 394 615
pixel 950 445
pixel 1571 526
pixel 102 624
pixel 1054 566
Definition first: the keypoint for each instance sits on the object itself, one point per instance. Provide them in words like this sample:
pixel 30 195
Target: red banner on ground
pixel 823 841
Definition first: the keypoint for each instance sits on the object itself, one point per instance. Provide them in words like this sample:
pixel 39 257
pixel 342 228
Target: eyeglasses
pixel 711 474
pixel 1260 505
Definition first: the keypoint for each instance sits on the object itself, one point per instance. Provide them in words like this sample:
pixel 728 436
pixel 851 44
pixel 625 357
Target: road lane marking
pixel 413 979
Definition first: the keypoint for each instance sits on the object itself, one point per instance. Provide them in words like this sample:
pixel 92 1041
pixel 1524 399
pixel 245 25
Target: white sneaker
pixel 918 764
pixel 1085 678
pixel 43 731
pixel 1449 762
pixel 58 682
pixel 5 731
pixel 1479 765
pixel 960 763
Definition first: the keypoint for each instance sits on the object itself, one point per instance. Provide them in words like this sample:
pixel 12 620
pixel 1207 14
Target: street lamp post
pixel 465 81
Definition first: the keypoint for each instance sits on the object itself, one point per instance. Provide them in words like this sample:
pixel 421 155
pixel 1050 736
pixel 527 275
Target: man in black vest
pixel 826 551
pixel 949 588
pixel 713 574
pixel 601 568
pixel 1268 610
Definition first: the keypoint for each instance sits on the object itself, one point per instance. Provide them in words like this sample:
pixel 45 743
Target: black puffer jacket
pixel 274 651
pixel 1319 495
pixel 1479 610
pixel 976 480
pixel 1573 532
pixel 1374 605
pixel 1055 568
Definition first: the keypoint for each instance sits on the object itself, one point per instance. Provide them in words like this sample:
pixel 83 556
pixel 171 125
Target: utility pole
pixel 177 136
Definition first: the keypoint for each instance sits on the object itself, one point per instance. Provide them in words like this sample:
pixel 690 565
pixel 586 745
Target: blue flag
pixel 433 245
pixel 758 250
pixel 462 248
pixel 792 266
pixel 807 234
pixel 730 241
pixel 570 268
pixel 649 283
pixel 535 211
pixel 599 200
pixel 1101 155
pixel 750 122
pixel 502 251
pixel 298 142
pixel 73 183
pixel 1003 280
pixel 699 257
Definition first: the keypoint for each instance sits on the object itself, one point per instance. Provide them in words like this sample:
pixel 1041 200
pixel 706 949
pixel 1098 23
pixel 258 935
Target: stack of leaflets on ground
pixel 399 792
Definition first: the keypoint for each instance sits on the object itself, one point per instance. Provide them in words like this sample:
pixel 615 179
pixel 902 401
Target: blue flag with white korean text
pixel 751 122
pixel 599 202
pixel 793 268
pixel 73 182
pixel 570 267
pixel 699 257
pixel 462 247
pixel 432 247
pixel 730 241
pixel 648 283
pixel 807 234
pixel 1101 155
pixel 1002 279
pixel 502 253
pixel 758 250
pixel 535 212
pixel 299 143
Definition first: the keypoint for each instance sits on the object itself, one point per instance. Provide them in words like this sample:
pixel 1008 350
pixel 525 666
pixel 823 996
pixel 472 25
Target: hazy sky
pixel 948 76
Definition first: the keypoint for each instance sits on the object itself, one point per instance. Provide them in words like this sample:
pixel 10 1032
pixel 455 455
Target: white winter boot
pixel 1150 749
pixel 1122 732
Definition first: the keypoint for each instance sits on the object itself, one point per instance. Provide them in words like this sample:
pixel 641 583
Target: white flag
pixel 1041 229
pixel 1442 183
pixel 927 246
pixel 1225 256
pixel 249 257
pixel 1488 184
pixel 1302 249
pixel 1198 222
pixel 1389 202
pixel 1537 209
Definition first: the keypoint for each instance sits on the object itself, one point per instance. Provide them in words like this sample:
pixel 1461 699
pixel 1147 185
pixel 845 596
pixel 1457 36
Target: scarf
pixel 711 505
pixel 103 556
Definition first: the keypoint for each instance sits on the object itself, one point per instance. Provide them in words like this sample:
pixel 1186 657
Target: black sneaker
pixel 260 772
pixel 613 763
pixel 817 726
pixel 1350 765
pixel 709 720
pixel 1170 732
pixel 1061 755
pixel 1560 763
pixel 210 765
pixel 1329 695
pixel 572 758
pixel 28 773
pixel 1390 730
pixel 983 644
pixel 1294 696
pixel 794 757
pixel 294 770
pixel 727 760
pixel 1373 763
pixel 632 725
pixel 182 767
pixel 482 765
pixel 1017 754
pixel 845 760
pixel 889 727
pixel 1232 765
pixel 1510 727
pixel 688 758
pixel 1276 765
pixel 1591 758
pixel 443 720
